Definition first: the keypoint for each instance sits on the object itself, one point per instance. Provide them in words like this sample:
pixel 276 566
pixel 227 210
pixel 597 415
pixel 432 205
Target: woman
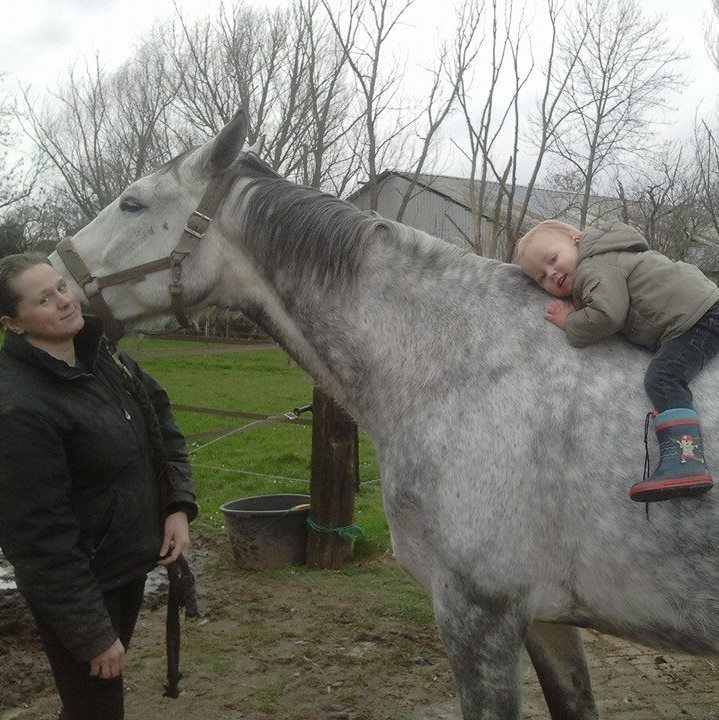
pixel 79 502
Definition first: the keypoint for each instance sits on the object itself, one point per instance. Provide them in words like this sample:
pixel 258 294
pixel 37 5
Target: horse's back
pixel 516 473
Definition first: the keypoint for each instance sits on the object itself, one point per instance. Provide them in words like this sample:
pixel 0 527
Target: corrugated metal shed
pixel 431 209
pixel 441 205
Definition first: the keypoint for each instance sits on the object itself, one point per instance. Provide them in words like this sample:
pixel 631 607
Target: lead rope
pixel 647 421
pixel 181 582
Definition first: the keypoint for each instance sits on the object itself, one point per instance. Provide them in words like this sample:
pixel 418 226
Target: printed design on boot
pixel 688 448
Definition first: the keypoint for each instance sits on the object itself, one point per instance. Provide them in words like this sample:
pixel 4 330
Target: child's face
pixel 550 260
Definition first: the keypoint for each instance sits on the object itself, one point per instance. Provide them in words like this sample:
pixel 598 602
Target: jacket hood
pixel 616 237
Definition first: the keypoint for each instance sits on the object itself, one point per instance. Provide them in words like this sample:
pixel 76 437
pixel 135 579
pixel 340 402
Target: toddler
pixel 613 283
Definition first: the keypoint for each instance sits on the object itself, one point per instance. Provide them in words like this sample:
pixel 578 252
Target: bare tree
pixel 658 196
pixel 447 81
pixel 499 210
pixel 706 137
pixel 483 134
pixel 143 92
pixel 711 35
pixel 16 180
pixel 673 195
pixel 332 127
pixel 624 73
pixel 284 68
pixel 550 115
pixel 706 149
pixel 363 29
pixel 69 133
pixel 275 80
pixel 100 132
pixel 244 57
pixel 224 64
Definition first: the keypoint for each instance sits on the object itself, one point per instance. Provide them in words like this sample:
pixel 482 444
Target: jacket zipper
pixel 118 399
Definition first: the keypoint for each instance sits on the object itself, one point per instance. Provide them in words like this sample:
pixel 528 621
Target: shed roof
pixel 543 203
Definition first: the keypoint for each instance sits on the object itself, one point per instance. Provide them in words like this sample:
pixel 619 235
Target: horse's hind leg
pixel 483 637
pixel 557 654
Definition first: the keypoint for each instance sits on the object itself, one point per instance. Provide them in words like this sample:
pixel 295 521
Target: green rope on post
pixel 348 532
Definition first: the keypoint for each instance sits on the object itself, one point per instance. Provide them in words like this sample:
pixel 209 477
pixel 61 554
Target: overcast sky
pixel 41 38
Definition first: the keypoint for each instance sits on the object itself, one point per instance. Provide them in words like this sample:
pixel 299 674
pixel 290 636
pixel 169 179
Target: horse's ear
pixel 228 143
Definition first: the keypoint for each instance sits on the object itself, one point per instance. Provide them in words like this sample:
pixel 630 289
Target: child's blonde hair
pixel 552 225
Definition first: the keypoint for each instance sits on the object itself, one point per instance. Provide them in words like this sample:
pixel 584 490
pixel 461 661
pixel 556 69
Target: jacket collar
pixel 87 346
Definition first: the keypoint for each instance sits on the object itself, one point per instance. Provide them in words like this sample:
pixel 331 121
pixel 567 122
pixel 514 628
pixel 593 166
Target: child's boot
pixel 681 471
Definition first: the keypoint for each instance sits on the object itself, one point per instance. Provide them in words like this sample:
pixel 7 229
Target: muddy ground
pixel 356 644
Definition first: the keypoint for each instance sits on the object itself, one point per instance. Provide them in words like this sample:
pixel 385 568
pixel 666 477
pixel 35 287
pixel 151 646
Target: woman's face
pixel 48 311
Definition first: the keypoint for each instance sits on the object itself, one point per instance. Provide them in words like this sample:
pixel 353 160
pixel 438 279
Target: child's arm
pixel 603 305
pixel 558 312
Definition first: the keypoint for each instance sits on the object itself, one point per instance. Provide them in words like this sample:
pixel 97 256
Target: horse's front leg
pixel 484 637
pixel 557 653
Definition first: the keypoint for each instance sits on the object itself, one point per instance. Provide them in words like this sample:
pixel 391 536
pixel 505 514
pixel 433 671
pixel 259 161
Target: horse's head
pixel 152 252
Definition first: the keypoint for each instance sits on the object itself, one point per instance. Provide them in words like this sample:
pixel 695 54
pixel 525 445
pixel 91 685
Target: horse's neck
pixel 375 341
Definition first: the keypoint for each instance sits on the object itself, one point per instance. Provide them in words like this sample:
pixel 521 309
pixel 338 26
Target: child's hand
pixel 558 311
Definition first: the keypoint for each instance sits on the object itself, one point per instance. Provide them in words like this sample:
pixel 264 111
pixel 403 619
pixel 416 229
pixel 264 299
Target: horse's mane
pixel 321 235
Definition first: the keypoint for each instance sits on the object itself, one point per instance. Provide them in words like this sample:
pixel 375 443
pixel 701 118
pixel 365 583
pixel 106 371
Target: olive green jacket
pixel 620 285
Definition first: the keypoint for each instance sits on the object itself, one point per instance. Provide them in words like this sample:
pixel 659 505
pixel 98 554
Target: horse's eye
pixel 131 204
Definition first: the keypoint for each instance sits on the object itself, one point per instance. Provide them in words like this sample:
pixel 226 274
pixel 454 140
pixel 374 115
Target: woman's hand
pixel 109 664
pixel 558 311
pixel 176 540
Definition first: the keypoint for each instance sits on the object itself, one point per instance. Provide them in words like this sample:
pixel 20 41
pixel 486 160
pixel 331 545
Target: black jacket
pixel 78 495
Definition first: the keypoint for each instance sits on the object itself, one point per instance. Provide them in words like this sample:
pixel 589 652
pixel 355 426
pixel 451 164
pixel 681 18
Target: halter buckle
pixel 194 233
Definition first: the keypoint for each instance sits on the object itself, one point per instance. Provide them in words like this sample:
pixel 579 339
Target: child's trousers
pixel 678 361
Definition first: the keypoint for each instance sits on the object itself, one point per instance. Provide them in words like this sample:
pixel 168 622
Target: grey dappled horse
pixel 506 455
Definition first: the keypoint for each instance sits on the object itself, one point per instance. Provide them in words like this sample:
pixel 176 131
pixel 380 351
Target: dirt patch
pixel 356 644
pixel 289 644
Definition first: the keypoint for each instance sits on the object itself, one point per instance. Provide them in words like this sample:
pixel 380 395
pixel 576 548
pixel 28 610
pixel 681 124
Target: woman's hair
pixel 547 225
pixel 10 267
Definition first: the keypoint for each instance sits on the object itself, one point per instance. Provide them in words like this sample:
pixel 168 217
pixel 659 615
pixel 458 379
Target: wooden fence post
pixel 334 477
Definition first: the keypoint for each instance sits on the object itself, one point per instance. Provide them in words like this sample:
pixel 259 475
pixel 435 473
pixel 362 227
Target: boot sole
pixel 659 490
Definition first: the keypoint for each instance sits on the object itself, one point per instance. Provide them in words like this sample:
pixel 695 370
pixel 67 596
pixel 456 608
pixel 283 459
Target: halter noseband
pixel 194 231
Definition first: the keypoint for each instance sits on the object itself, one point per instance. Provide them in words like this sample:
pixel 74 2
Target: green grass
pixel 267 460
